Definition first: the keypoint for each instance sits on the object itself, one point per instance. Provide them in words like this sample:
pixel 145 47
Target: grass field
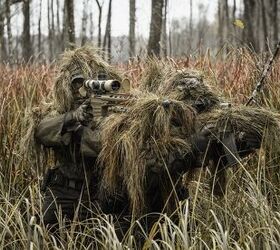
pixel 248 217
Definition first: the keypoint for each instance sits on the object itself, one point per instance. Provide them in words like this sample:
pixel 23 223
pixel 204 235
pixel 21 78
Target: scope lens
pixel 116 85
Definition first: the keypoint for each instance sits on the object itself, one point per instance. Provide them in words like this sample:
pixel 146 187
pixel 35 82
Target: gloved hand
pixel 81 116
pixel 247 142
pixel 83 113
pixel 202 139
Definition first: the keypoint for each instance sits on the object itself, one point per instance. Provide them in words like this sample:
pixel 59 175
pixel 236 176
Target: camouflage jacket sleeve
pixel 90 145
pixel 50 132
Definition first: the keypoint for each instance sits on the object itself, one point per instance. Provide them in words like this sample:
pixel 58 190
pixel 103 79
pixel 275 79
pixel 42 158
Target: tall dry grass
pixel 248 217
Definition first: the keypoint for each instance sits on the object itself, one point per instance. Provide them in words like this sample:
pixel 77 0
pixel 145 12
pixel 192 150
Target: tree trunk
pixel 164 31
pixel 99 21
pixel 39 28
pixel 132 20
pixel 191 26
pixel 57 18
pixel 155 28
pixel 274 21
pixel 220 24
pixel 91 27
pixel 4 53
pixel 107 36
pixel 264 24
pixel 3 10
pixel 84 23
pixel 26 39
pixel 227 19
pixel 64 34
pixel 234 10
pixel 9 32
pixel 70 21
pixel 248 35
pixel 50 35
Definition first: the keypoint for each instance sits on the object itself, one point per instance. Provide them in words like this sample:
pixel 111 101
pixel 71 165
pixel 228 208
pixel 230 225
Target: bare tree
pixel 132 20
pixel 155 28
pixel 107 36
pixel 4 53
pixel 57 18
pixel 9 31
pixel 64 33
pixel 234 10
pixel 191 26
pixel 274 20
pixel 264 24
pixel 164 31
pixel 227 19
pixel 26 38
pixel 91 27
pixel 69 24
pixel 84 23
pixel 220 23
pixel 39 28
pixel 99 5
pixel 50 28
pixel 250 9
pixel 5 9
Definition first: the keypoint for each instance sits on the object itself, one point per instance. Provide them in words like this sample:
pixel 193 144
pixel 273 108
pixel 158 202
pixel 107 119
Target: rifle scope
pixel 103 86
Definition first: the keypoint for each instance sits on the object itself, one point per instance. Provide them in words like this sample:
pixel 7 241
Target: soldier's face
pixel 76 84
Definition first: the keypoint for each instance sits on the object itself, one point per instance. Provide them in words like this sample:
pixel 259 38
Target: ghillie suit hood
pixel 152 128
pixel 86 61
pixel 164 78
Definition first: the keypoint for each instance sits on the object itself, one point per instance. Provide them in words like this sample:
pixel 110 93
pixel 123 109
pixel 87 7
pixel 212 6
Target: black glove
pixel 248 142
pixel 202 139
pixel 83 114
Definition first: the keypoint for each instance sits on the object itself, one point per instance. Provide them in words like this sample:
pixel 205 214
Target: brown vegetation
pixel 247 217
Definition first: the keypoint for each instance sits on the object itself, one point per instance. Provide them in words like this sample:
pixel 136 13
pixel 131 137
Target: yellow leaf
pixel 239 24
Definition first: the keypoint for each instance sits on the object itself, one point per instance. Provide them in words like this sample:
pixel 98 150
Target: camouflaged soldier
pixel 71 184
pixel 223 134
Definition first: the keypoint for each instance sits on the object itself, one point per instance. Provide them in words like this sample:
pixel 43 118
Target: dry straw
pixel 260 122
pixel 188 85
pixel 152 128
pixel 85 60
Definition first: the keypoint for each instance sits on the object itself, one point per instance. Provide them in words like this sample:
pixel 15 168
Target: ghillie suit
pixel 86 61
pixel 251 128
pixel 67 129
pixel 186 85
pixel 139 148
pixel 218 126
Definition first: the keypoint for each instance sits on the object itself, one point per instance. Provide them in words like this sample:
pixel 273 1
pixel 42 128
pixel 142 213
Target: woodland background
pixel 231 51
pixel 251 23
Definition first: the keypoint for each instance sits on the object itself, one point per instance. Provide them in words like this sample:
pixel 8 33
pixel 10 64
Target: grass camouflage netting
pixel 260 123
pixel 87 61
pixel 162 77
pixel 250 120
pixel 152 128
